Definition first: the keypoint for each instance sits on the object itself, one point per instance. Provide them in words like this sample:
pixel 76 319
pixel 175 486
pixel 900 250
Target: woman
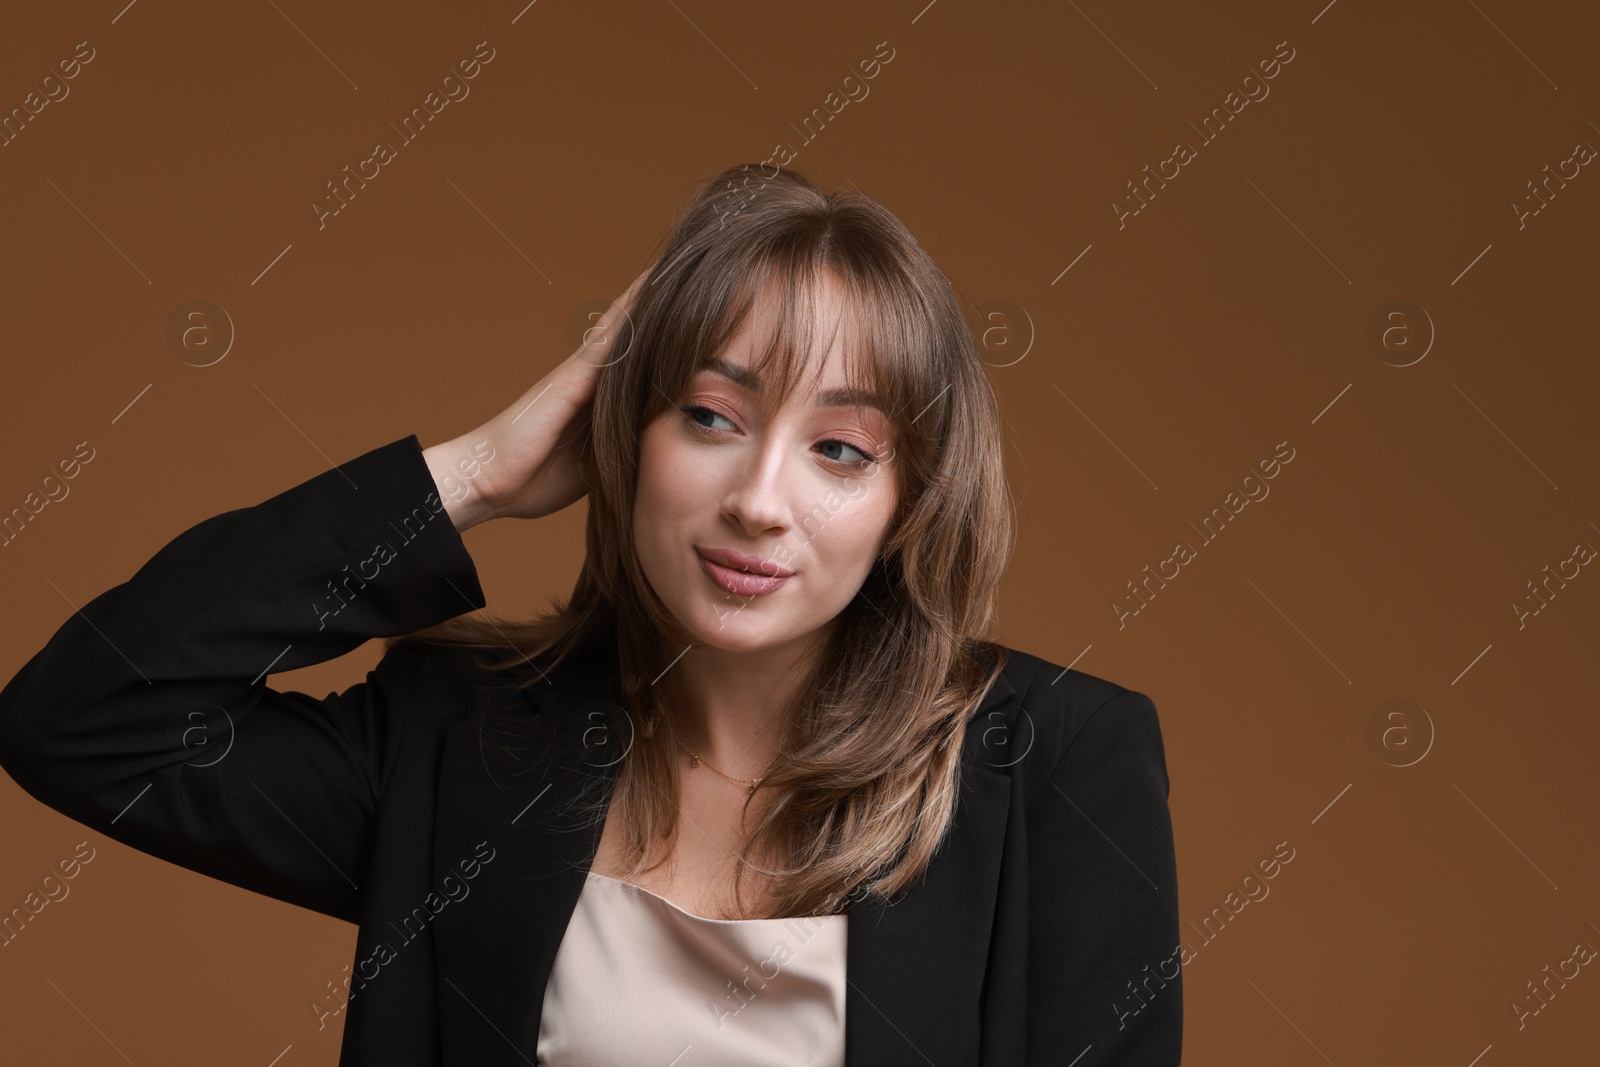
pixel 758 792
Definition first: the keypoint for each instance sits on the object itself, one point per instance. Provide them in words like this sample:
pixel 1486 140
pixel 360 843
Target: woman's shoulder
pixel 1063 713
pixel 447 673
pixel 1047 682
pixel 502 671
pixel 446 660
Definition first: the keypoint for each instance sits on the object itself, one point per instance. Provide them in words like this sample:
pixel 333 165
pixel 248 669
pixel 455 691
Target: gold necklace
pixel 695 760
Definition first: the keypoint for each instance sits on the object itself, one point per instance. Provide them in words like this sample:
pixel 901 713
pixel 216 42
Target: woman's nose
pixel 758 497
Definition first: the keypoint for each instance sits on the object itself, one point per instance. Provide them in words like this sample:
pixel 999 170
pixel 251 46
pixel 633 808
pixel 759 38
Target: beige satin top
pixel 639 980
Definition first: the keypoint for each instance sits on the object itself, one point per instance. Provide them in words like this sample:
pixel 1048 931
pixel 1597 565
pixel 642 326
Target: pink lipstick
pixel 740 574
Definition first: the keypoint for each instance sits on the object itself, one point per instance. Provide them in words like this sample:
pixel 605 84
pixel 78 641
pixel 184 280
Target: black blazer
pixel 1046 931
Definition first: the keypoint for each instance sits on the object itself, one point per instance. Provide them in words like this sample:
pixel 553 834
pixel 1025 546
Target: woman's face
pixel 808 490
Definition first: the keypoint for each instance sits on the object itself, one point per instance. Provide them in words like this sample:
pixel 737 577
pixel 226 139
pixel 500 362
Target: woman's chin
pixel 738 631
pixel 730 640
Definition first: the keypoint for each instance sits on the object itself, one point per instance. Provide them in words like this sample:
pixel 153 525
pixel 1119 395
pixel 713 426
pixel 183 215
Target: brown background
pixel 1229 315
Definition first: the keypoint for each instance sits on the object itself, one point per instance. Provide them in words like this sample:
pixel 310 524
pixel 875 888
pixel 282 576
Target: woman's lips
pixel 740 583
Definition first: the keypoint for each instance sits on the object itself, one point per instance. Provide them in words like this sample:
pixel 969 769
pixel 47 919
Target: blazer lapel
pixel 497 947
pixel 914 968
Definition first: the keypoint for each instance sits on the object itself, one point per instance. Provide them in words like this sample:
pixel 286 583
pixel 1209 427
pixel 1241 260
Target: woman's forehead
pixel 821 337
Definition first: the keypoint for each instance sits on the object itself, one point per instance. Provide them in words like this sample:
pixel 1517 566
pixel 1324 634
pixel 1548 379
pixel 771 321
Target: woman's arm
pixel 1105 977
pixel 146 716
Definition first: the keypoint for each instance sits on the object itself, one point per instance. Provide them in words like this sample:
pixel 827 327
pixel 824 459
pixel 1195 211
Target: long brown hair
pixel 869 761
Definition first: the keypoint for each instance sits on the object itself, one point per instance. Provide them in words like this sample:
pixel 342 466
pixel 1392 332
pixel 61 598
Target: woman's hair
pixel 869 765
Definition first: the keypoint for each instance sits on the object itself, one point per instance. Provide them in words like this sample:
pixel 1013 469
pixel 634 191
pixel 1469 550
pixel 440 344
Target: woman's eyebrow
pixel 747 379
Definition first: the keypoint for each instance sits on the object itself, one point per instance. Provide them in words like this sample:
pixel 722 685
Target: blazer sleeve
pixel 1105 974
pixel 145 716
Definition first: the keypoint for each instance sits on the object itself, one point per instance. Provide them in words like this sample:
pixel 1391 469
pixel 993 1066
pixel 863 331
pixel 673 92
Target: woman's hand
pixel 525 462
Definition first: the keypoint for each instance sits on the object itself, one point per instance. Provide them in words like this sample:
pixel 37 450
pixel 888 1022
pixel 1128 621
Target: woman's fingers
pixel 544 433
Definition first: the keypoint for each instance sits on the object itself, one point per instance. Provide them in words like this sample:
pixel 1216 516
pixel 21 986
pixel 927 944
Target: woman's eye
pixel 865 460
pixel 703 418
pixel 692 411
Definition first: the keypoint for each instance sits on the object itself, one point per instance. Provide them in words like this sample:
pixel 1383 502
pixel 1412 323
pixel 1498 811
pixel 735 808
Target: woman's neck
pixel 727 706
